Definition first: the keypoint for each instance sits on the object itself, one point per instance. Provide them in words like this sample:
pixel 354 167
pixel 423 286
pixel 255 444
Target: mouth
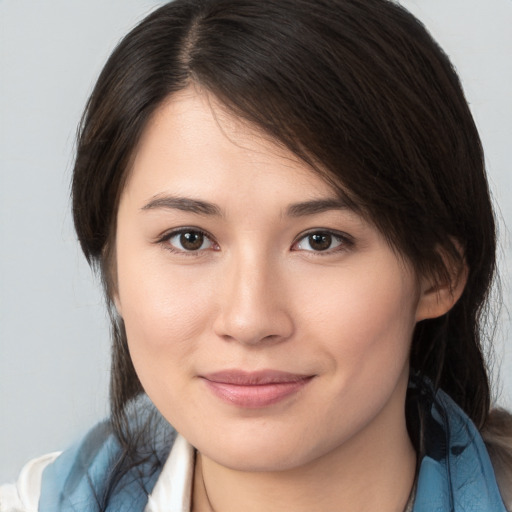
pixel 255 390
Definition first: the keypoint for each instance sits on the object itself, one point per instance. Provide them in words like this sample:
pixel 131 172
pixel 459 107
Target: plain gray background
pixel 54 338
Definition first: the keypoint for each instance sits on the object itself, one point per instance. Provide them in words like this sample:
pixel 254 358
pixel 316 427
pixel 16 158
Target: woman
pixel 287 204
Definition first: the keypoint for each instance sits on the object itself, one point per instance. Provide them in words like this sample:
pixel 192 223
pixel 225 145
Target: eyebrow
pixel 200 207
pixel 316 206
pixel 185 204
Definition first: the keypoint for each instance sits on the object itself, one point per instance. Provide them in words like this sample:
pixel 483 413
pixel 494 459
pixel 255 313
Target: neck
pixel 372 471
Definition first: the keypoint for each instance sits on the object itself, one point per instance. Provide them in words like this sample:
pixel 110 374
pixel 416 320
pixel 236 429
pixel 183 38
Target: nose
pixel 253 305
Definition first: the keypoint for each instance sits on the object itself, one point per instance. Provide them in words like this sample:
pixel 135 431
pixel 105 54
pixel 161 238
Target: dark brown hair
pixel 356 88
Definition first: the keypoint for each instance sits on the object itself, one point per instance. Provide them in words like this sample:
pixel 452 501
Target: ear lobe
pixel 437 298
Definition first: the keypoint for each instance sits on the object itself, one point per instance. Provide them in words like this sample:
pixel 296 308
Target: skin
pixel 257 295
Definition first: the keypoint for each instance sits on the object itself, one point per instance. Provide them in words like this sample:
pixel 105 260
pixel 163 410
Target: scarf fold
pixel 455 474
pixel 97 475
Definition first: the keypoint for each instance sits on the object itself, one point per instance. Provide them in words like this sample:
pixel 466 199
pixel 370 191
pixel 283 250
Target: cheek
pixel 362 323
pixel 157 309
pixel 365 315
pixel 165 312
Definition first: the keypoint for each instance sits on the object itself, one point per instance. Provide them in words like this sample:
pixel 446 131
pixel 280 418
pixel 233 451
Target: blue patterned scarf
pixel 455 475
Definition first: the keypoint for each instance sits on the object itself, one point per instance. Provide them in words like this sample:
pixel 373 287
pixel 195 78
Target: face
pixel 268 323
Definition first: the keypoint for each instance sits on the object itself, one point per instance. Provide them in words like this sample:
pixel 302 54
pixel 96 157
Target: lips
pixel 254 389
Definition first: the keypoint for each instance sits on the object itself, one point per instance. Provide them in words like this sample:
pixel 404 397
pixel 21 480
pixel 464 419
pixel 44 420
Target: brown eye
pixel 320 241
pixel 188 241
pixel 323 241
pixel 191 241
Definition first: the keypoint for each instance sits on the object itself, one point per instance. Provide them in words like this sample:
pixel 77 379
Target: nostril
pixel 254 329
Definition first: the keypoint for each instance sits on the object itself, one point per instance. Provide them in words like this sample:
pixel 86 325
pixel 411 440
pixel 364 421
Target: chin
pixel 262 451
pixel 256 458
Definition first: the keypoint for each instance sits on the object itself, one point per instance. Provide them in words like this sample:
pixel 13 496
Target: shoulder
pixel 456 466
pixel 23 496
pixel 497 434
pixel 97 471
pixel 48 474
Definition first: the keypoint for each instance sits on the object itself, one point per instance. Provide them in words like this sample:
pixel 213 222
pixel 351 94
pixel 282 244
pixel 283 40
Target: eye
pixel 188 240
pixel 322 241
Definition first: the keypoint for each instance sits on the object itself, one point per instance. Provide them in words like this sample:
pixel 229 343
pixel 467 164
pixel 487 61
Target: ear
pixel 117 304
pixel 109 272
pixel 437 298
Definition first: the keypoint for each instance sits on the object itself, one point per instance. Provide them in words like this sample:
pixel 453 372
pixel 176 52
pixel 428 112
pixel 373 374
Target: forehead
pixel 192 143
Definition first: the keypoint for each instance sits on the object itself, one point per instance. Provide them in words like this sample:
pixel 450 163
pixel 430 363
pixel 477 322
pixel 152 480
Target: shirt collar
pixel 173 490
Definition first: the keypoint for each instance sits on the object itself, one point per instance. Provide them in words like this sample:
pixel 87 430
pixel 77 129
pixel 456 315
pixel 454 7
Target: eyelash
pixel 346 242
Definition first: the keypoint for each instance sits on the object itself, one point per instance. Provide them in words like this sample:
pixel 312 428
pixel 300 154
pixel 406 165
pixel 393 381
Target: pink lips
pixel 254 389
